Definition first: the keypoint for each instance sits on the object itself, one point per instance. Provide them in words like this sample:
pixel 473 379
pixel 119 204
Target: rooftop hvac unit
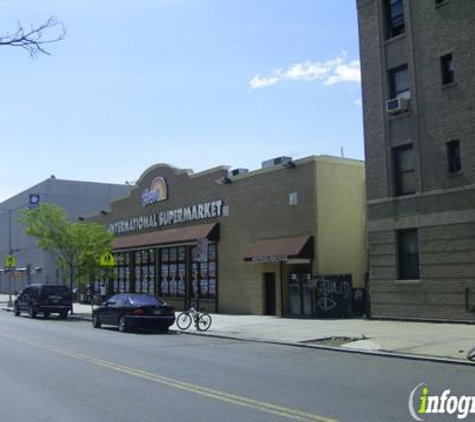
pixel 397 105
pixel 237 172
pixel 276 161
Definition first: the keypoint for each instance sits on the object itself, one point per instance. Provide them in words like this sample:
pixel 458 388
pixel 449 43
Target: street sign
pixel 107 260
pixel 10 261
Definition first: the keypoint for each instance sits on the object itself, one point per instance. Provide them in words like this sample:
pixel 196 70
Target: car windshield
pixel 143 300
pixel 49 290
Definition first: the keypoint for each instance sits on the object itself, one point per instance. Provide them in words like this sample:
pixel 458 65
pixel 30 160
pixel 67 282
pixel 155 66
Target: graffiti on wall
pixel 333 296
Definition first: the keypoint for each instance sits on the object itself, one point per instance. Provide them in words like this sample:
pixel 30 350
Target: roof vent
pixel 276 161
pixel 237 172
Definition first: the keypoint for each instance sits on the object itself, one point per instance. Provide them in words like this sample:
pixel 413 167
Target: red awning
pixel 179 235
pixel 281 249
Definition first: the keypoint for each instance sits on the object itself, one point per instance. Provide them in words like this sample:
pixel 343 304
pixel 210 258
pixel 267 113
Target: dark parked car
pixel 44 299
pixel 134 310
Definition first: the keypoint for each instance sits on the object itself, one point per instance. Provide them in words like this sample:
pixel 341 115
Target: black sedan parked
pixel 134 310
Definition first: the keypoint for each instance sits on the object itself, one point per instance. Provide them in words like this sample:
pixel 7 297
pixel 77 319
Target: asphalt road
pixel 55 370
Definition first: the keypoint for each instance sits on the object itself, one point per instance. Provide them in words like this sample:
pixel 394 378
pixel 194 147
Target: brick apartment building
pixel 418 76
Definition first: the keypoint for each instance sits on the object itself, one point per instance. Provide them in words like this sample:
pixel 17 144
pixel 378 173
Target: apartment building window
pixel 447 69
pixel 399 82
pixel 404 170
pixel 453 157
pixel 408 255
pixel 394 10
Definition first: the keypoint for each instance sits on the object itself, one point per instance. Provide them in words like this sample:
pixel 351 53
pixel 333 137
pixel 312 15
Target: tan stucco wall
pixel 341 242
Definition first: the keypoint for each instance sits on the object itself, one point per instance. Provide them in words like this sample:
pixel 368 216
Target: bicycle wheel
pixel 204 322
pixel 183 321
pixel 471 354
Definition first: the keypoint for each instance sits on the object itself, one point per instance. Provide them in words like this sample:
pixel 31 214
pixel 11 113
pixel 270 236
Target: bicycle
pixel 202 320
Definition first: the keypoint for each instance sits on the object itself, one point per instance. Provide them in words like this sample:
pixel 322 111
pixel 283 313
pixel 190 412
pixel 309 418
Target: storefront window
pixel 121 283
pixel 145 271
pixel 207 274
pixel 173 271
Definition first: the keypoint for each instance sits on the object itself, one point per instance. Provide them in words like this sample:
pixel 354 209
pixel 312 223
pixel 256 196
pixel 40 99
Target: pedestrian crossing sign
pixel 107 260
pixel 10 261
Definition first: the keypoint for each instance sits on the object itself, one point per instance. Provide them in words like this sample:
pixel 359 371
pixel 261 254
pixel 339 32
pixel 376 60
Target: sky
pixel 191 83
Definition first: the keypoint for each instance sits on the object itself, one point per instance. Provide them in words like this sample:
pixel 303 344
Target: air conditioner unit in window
pixel 397 105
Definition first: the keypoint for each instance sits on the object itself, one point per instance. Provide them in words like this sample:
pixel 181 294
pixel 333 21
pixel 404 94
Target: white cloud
pixel 330 72
pixel 258 82
pixel 359 102
pixel 345 73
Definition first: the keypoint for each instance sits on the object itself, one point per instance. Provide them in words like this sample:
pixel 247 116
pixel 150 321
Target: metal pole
pixel 10 303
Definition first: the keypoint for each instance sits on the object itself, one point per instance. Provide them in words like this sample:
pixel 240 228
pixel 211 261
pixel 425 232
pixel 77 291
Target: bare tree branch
pixel 34 40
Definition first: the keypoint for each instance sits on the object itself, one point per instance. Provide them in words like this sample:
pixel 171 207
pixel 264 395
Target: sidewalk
pixel 417 339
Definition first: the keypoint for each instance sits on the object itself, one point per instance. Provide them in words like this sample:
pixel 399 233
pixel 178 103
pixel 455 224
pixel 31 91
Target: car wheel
pixel 46 315
pixel 16 312
pixel 122 325
pixel 32 312
pixel 95 322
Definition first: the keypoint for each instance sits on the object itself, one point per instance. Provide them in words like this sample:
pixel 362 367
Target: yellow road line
pixel 192 388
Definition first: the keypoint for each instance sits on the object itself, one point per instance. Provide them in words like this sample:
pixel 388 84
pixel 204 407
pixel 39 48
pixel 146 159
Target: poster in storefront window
pixel 212 252
pixel 212 269
pixel 173 254
pixel 182 254
pixel 182 270
pixel 181 287
pixel 164 271
pixel 164 287
pixel 173 288
pixel 212 287
pixel 173 270
pixel 204 270
pixel 204 288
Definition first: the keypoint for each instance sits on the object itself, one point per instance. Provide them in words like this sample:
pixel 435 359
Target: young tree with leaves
pixel 75 246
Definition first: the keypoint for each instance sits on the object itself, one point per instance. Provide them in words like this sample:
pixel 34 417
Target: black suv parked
pixel 45 299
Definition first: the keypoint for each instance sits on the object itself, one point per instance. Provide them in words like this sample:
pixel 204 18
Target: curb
pixel 378 353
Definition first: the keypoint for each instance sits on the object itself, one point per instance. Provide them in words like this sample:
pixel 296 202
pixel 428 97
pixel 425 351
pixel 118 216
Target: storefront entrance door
pixel 300 295
pixel 269 294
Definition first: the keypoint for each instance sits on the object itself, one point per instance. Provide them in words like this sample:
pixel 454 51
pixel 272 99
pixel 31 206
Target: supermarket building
pixel 243 242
